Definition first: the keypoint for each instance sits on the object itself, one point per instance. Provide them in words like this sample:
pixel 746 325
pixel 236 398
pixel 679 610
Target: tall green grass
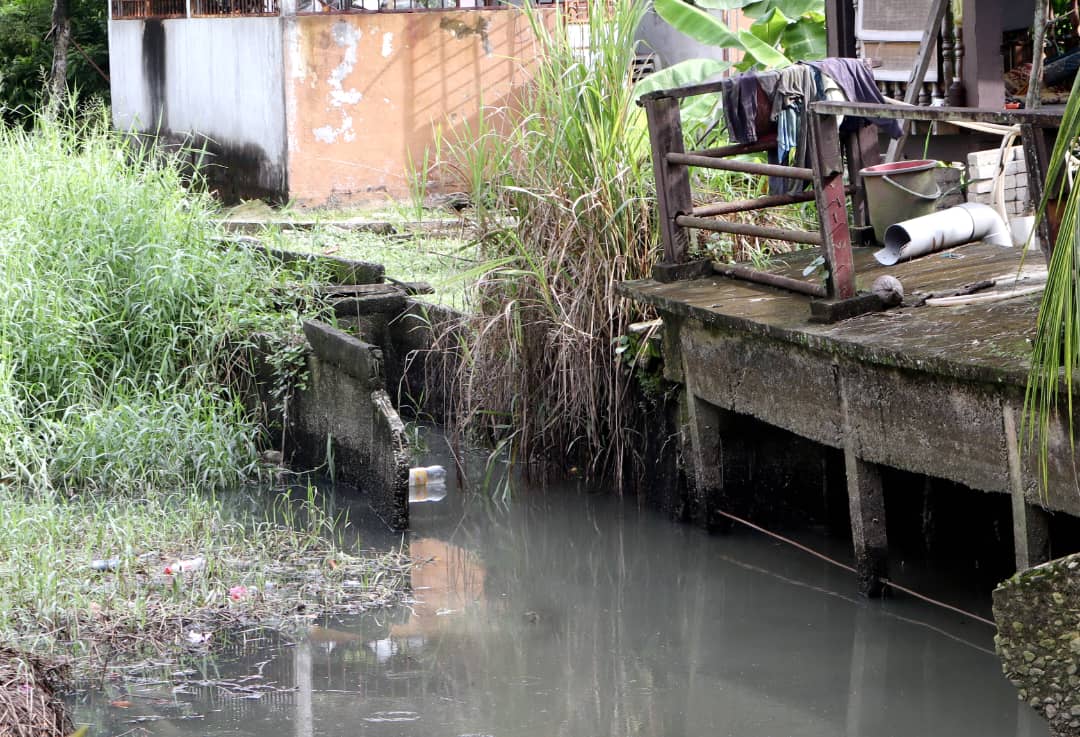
pixel 568 161
pixel 117 315
pixel 123 326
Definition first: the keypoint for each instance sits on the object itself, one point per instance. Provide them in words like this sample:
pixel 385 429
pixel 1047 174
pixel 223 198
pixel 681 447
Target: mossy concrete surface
pixel 1038 617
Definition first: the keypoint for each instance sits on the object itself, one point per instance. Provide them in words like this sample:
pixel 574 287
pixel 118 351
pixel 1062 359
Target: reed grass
pixel 1055 354
pixel 568 162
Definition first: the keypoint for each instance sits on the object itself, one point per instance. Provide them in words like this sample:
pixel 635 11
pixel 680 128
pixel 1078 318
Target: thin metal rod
pixel 746 167
pixel 850 569
pixel 764 144
pixel 757 203
pixel 812 238
pixel 745 273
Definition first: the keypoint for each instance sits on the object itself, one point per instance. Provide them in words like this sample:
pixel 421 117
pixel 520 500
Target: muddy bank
pixel 29 705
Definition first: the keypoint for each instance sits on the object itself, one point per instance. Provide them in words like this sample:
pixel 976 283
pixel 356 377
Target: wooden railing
pixel 671 167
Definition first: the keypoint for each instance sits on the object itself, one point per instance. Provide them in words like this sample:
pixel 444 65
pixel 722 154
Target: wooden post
pixel 1031 523
pixel 672 180
pixel 1037 158
pixel 862 151
pixel 1038 27
pixel 828 165
pixel 866 501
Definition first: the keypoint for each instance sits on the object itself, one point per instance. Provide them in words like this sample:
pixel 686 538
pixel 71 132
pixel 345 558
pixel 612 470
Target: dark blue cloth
pixel 855 79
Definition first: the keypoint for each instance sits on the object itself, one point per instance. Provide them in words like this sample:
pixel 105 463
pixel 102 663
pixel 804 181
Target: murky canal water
pixel 564 614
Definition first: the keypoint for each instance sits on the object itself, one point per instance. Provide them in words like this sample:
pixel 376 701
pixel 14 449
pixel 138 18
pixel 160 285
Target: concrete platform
pixel 933 390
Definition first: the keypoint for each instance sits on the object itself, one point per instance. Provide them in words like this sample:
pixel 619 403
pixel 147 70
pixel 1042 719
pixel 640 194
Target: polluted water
pixel 560 612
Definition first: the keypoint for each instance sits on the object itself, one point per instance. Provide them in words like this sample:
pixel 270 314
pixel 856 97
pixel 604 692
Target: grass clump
pixel 124 324
pixel 561 186
pixel 116 319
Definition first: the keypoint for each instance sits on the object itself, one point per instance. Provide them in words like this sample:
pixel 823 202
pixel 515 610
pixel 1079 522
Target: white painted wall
pixel 223 80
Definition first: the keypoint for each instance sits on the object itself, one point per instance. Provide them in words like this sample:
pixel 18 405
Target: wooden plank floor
pixel 980 342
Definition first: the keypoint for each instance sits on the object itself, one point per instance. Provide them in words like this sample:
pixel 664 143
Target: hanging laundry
pixel 796 88
pixel 857 82
pixel 747 101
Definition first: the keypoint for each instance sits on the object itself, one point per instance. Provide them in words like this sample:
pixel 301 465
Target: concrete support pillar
pixel 707 452
pixel 1031 523
pixel 866 502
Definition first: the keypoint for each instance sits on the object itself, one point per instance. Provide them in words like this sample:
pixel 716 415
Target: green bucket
pixel 899 191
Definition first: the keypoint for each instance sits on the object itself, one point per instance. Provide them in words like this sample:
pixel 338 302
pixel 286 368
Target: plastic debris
pixel 185 566
pixel 105 564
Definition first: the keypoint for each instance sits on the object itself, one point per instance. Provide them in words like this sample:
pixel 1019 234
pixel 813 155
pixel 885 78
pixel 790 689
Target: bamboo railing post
pixel 673 196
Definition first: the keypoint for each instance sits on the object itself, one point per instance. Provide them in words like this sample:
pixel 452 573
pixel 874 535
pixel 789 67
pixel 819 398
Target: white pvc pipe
pixel 955 226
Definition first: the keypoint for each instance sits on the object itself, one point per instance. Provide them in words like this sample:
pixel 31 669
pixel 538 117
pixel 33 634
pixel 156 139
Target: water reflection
pixel 578 616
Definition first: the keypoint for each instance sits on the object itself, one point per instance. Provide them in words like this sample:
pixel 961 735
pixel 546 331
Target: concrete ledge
pixel 1038 617
pixel 341 270
pixel 353 356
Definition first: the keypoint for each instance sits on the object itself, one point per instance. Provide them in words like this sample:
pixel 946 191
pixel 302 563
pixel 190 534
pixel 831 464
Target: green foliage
pixel 121 319
pixel 26 53
pixel 1056 353
pixel 783 30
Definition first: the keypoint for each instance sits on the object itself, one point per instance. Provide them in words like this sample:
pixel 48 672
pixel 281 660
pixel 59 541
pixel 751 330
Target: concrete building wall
pixel 215 81
pixel 365 92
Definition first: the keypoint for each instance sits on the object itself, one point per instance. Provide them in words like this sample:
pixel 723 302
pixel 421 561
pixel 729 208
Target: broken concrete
pixel 344 419
pixel 1038 617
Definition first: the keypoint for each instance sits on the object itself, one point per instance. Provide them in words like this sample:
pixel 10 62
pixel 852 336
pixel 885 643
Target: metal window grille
pixel 202 8
pixel 148 9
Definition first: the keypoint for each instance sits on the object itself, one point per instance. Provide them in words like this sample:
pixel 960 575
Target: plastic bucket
pixel 899 191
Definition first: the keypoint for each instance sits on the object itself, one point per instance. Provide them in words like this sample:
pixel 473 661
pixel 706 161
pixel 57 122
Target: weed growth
pixel 121 319
pixel 568 162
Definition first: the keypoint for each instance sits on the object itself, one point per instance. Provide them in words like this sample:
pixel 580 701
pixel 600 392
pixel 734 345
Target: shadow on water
pixel 563 613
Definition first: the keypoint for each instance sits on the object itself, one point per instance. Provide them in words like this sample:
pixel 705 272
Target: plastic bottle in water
pixel 184 566
pixel 433 491
pixel 424 475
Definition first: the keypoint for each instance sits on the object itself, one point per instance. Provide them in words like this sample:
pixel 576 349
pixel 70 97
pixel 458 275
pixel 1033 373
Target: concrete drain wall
pixel 344 419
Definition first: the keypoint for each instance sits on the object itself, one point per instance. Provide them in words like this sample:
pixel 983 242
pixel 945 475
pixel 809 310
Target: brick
pixel 981 186
pixel 990 156
pixel 1022 180
pixel 986 171
pixel 1016 166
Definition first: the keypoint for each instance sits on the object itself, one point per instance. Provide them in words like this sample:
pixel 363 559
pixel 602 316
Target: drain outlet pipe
pixel 971 221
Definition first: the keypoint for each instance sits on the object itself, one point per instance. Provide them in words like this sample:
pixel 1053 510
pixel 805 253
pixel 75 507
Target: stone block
pixel 1016 166
pixel 981 186
pixel 992 156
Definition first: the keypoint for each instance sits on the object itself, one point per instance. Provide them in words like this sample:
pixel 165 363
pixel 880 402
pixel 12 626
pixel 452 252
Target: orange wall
pixel 364 91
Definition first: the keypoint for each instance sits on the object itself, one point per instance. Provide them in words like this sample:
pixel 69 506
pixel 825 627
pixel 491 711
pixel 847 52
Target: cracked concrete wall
pixel 365 92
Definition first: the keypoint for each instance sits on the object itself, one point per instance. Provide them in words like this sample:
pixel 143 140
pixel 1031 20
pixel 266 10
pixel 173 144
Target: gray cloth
pixel 796 88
